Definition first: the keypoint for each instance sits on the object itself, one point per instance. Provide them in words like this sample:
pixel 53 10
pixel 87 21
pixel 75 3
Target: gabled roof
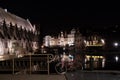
pixel 9 17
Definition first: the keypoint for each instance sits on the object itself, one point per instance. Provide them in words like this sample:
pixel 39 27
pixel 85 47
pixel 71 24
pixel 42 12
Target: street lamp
pixel 116 58
pixel 103 41
pixel 116 44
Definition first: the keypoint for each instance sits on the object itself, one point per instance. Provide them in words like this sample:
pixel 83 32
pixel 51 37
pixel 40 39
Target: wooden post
pixel 13 66
pixel 48 63
pixel 30 64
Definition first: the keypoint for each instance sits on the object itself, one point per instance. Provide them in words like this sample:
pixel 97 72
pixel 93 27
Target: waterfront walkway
pixel 32 77
pixel 67 76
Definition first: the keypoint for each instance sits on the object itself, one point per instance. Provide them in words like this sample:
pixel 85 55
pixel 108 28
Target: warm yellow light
pixel 1 57
pixel 87 56
pixel 101 56
pixel 42 46
pixel 85 41
pixel 103 41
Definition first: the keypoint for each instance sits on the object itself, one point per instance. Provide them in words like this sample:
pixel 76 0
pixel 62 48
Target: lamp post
pixel 116 58
pixel 116 44
pixel 42 49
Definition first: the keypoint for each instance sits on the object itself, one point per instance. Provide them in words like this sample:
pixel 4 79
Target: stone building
pixel 17 35
pixel 62 39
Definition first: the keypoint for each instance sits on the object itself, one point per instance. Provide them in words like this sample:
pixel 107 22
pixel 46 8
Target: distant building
pixel 79 42
pixel 74 38
pixel 72 41
pixel 94 46
pixel 17 35
pixel 94 40
pixel 62 39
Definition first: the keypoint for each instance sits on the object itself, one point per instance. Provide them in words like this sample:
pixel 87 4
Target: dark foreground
pixel 93 75
pixel 76 75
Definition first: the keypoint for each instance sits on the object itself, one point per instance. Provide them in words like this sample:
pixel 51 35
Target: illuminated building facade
pixel 74 38
pixel 17 35
pixel 94 58
pixel 94 40
pixel 89 48
pixel 63 39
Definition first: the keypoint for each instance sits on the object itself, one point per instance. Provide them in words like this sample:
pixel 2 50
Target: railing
pixel 28 64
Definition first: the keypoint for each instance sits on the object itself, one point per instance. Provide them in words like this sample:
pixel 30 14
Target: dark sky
pixel 54 17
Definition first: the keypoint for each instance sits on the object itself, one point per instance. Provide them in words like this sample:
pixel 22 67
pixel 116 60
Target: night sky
pixel 56 17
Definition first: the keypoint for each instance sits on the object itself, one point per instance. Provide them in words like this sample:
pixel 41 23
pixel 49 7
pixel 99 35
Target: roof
pixel 9 17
